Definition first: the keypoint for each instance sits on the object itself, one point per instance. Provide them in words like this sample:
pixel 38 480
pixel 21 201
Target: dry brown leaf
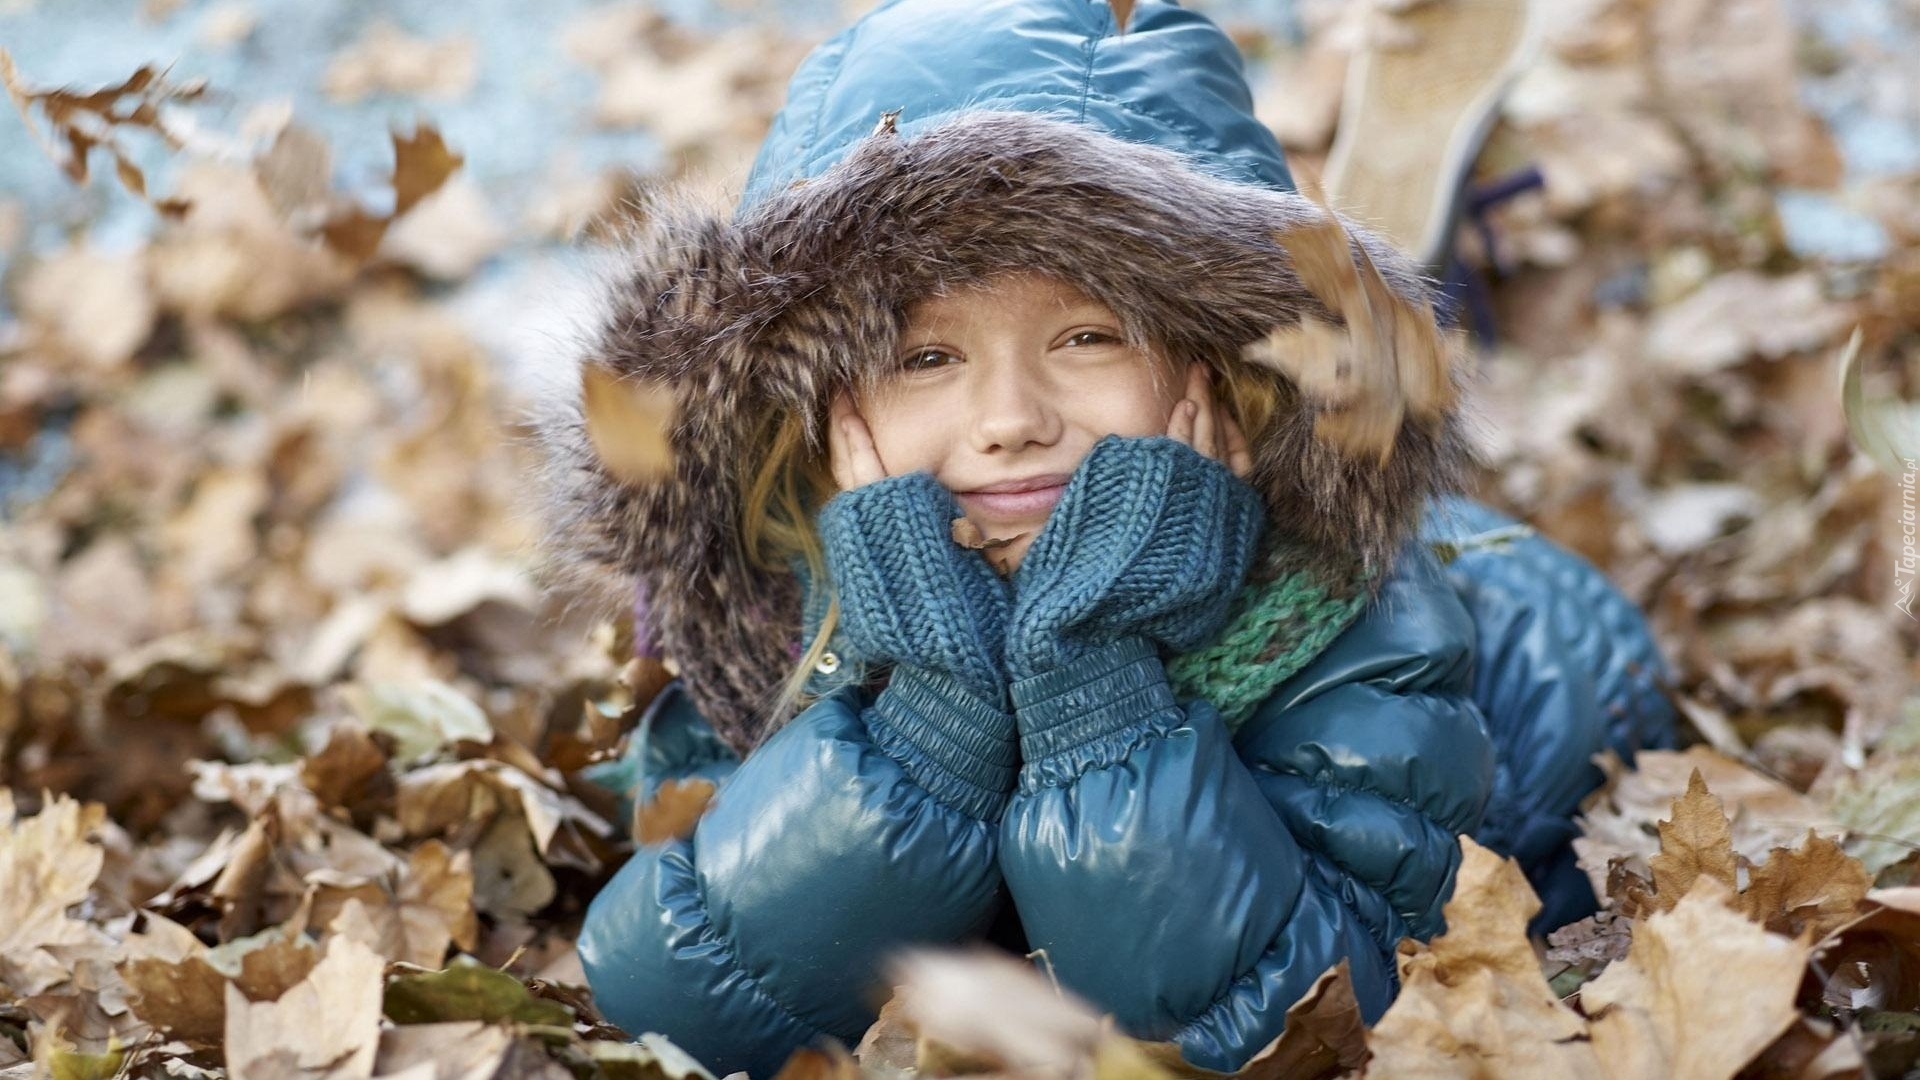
pixel 48 863
pixel 1812 889
pixel 431 908
pixel 179 985
pixel 1696 842
pixel 1474 1003
pixel 350 767
pixel 1667 1010
pixel 422 162
pixel 673 811
pixel 83 120
pixel 628 424
pixel 1618 823
pixel 890 1041
pixel 1325 1035
pixel 327 1026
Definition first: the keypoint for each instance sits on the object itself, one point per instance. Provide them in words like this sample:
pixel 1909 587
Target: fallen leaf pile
pixel 295 745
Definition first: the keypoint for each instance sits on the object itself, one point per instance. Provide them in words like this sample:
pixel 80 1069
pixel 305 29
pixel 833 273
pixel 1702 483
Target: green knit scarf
pixel 1279 623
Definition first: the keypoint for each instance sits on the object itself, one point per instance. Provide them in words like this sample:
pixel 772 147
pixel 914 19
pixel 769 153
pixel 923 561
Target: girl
pixel 1010 598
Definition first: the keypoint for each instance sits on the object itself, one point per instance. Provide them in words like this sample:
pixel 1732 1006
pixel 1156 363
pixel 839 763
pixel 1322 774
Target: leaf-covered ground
pixel 293 743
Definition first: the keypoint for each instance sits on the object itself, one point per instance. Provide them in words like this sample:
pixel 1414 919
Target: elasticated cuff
pixel 1092 711
pixel 958 747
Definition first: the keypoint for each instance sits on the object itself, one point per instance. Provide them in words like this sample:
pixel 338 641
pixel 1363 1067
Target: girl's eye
pixel 1097 336
pixel 925 360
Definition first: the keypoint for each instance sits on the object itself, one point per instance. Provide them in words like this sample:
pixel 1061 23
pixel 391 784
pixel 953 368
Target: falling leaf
pixel 1386 359
pixel 628 424
pixel 674 810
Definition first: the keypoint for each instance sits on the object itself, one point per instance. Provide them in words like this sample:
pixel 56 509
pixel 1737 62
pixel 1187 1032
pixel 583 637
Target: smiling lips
pixel 1012 499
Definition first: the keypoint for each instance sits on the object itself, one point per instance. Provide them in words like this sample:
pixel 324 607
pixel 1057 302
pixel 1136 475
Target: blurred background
pixel 264 592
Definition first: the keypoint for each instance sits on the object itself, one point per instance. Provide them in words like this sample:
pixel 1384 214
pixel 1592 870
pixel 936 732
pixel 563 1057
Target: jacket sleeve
pixel 1197 892
pixel 854 829
pixel 1375 755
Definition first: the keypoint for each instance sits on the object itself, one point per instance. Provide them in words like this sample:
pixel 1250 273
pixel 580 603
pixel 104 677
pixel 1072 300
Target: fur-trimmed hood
pixel 805 287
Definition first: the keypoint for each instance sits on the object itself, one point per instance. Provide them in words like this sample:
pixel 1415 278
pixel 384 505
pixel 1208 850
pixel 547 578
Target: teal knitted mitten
pixel 909 595
pixel 1151 538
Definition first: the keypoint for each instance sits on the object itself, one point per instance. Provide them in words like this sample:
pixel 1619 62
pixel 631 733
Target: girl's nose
pixel 1011 407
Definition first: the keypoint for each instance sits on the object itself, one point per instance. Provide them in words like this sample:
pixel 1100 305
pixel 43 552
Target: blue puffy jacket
pixel 1198 886
pixel 1324 829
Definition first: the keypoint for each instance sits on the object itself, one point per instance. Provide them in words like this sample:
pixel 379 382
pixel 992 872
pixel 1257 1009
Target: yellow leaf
pixel 627 424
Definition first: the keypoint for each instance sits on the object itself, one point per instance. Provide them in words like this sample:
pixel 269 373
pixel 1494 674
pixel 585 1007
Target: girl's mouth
pixel 1012 505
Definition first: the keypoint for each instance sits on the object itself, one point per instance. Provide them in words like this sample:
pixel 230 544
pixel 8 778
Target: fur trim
pixel 805 292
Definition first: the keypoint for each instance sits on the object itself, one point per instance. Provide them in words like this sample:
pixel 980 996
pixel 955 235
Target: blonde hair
pixel 790 484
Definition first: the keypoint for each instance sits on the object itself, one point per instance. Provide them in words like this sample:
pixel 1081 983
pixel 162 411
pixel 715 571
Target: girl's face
pixel 1002 388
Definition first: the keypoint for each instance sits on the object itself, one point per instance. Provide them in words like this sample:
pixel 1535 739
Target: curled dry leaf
pixel 1810 889
pixel 673 811
pixel 627 424
pixel 1325 1034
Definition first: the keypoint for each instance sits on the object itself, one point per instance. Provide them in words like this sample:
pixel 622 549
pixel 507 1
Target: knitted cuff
pixel 908 594
pixel 1092 712
pixel 955 745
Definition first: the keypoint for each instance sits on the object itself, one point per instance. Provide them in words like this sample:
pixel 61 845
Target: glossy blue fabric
pixel 1192 883
pixel 1178 83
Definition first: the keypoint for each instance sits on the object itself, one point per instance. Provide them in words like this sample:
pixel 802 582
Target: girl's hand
pixel 1200 423
pixel 850 445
